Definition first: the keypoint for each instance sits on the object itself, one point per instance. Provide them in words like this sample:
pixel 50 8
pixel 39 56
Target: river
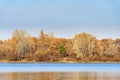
pixel 59 71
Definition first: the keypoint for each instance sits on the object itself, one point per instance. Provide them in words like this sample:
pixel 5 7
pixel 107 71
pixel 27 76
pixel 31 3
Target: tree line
pixel 82 47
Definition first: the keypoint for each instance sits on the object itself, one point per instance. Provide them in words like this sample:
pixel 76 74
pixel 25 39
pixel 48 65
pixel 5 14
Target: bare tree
pixel 23 44
pixel 42 38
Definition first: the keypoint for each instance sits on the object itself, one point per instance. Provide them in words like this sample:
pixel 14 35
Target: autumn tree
pixel 69 48
pixel 2 50
pixel 117 42
pixel 41 39
pixel 110 47
pixel 84 44
pixel 23 43
pixel 43 42
pixel 86 47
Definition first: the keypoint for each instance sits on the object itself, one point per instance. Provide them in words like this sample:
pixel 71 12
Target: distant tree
pixel 42 38
pixel 83 47
pixel 84 44
pixel 2 51
pixel 23 43
pixel 62 50
pixel 110 47
pixel 117 42
pixel 69 49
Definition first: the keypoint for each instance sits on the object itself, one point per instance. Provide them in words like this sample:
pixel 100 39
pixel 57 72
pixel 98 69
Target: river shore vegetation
pixel 84 47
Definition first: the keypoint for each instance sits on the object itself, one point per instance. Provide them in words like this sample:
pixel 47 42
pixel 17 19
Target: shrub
pixel 62 50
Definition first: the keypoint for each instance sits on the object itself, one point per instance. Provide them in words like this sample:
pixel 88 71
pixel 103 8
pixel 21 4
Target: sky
pixel 63 17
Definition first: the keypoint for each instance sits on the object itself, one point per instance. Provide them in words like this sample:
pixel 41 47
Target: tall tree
pixel 84 44
pixel 42 38
pixel 23 44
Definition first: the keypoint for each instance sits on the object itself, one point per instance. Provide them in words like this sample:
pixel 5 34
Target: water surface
pixel 61 76
pixel 59 71
pixel 59 67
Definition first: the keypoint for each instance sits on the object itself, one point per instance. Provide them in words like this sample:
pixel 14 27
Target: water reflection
pixel 61 76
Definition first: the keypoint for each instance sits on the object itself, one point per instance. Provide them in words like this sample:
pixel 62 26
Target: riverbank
pixel 24 61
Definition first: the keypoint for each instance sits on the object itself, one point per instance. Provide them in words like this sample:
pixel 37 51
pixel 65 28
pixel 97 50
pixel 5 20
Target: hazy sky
pixel 63 17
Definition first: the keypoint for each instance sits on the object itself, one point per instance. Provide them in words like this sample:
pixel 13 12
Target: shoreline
pixel 82 62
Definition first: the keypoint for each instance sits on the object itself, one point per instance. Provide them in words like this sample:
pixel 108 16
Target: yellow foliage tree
pixel 84 44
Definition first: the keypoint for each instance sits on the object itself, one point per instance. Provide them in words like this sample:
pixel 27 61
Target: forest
pixel 83 47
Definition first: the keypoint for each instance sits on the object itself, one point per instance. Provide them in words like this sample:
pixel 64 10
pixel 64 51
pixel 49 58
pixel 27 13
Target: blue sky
pixel 63 17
